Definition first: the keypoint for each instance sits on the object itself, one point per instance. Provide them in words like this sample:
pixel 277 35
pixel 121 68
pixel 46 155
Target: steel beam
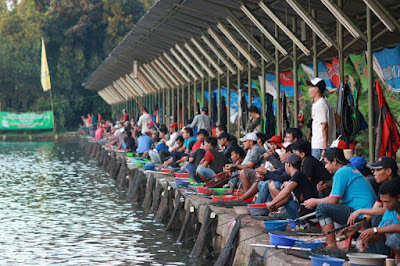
pixel 219 55
pixel 206 55
pixel 180 60
pixel 237 44
pixel 249 37
pixel 283 27
pixel 226 49
pixel 189 60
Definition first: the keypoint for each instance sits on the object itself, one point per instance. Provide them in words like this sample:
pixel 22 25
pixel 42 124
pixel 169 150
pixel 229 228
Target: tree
pixel 79 34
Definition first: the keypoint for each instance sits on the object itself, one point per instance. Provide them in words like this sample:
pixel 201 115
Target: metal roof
pixel 175 22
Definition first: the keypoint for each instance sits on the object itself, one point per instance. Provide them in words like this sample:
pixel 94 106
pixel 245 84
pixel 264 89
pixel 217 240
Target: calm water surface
pixel 57 207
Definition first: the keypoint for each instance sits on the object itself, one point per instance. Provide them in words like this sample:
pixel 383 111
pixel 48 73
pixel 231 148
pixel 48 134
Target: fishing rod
pixel 314 238
pixel 145 112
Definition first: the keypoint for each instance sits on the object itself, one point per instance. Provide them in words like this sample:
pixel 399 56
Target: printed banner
pixel 25 121
pixel 389 65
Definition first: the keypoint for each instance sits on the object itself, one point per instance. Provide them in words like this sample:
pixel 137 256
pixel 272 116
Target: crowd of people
pixel 290 174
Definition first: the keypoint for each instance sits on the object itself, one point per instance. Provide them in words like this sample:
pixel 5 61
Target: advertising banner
pixel 27 121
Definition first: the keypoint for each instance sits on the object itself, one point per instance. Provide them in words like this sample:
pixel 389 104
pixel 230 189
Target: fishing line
pixel 65 101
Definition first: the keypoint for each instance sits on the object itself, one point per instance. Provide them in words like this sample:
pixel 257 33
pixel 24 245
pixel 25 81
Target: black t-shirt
pixel 305 189
pixel 315 170
pixel 375 185
pixel 130 143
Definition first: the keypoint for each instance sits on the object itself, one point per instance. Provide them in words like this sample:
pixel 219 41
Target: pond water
pixel 58 208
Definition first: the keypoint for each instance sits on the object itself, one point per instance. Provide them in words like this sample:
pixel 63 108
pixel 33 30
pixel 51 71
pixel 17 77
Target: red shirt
pixel 196 146
pixel 209 157
pixel 125 118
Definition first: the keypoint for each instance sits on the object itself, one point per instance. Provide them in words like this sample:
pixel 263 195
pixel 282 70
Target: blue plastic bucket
pixel 282 240
pixel 279 225
pixel 320 260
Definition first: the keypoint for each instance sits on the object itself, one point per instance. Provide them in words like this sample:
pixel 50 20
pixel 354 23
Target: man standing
pixel 144 121
pixel 323 118
pixel 202 120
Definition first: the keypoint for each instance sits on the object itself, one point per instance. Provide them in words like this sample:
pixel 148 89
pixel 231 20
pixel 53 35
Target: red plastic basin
pixel 181 175
pixel 258 205
pixel 203 190
pixel 166 170
pixel 225 198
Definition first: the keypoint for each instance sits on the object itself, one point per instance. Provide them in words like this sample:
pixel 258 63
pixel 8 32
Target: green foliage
pixel 78 34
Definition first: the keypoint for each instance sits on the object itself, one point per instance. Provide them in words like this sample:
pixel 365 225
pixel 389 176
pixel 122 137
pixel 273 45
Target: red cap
pixel 339 144
pixel 173 124
pixel 275 139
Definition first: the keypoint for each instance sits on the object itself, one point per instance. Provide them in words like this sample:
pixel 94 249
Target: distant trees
pixel 79 34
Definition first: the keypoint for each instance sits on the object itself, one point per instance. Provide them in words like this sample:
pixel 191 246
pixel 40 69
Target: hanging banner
pixel 389 65
pixel 26 121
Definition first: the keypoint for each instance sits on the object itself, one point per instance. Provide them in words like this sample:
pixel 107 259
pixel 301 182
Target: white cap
pixel 249 136
pixel 315 81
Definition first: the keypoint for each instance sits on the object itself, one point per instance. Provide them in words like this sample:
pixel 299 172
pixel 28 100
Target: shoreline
pixel 209 227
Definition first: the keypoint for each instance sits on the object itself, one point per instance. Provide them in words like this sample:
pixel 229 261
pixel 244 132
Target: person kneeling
pixel 296 190
pixel 213 161
pixel 389 227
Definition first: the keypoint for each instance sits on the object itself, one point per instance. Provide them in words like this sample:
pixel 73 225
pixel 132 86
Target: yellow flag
pixel 45 75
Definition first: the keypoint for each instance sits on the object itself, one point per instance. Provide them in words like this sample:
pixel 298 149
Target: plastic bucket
pixel 279 225
pixel 281 240
pixel 320 260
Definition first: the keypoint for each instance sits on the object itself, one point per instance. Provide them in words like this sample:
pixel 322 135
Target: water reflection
pixel 57 207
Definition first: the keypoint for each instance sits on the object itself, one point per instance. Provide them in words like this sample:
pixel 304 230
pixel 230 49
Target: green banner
pixel 31 121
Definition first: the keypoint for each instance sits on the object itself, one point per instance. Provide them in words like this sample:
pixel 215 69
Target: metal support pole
pixel 178 107
pixel 173 104
pixel 189 100
pixel 164 105
pixel 240 114
pixel 295 85
pixel 228 99
pixel 262 85
pixel 278 86
pixel 202 93
pixel 340 45
pixel 249 80
pixel 315 48
pixel 219 98
pixel 209 96
pixel 194 98
pixel 371 127
pixel 183 106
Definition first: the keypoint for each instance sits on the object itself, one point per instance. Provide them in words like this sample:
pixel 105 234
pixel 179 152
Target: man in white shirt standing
pixel 144 121
pixel 323 118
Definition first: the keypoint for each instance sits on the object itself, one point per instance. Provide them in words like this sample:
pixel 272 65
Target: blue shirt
pixel 389 216
pixel 187 142
pixel 352 188
pixel 144 144
pixel 161 147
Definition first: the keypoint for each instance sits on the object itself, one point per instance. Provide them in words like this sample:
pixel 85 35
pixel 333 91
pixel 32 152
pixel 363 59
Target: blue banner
pixel 389 61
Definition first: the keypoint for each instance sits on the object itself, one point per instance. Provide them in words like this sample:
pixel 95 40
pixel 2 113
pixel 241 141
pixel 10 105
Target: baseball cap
pixel 336 153
pixel 293 158
pixel 276 139
pixel 284 145
pixel 341 144
pixel 204 108
pixel 249 136
pixel 384 162
pixel 358 162
pixel 317 82
pixel 173 124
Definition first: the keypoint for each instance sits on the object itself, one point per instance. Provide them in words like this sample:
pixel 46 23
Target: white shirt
pixel 144 119
pixel 171 142
pixel 322 112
